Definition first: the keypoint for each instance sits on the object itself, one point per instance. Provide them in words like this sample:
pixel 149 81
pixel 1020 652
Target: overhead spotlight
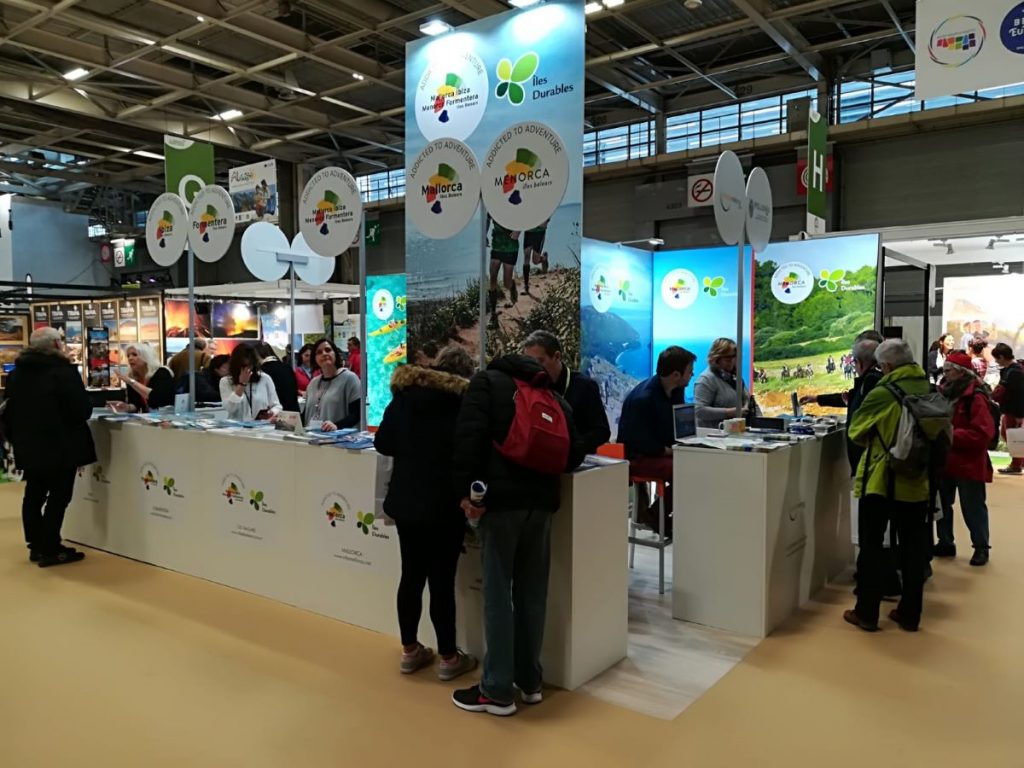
pixel 944 243
pixel 522 3
pixel 693 4
pixel 992 243
pixel 75 74
pixel 358 76
pixel 590 8
pixel 200 19
pixel 655 241
pixel 435 27
pixel 230 114
pixel 612 3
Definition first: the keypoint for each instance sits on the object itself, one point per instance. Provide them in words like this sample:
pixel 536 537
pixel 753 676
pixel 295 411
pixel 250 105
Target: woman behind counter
pixel 150 385
pixel 715 389
pixel 306 369
pixel 333 399
pixel 246 394
pixel 418 431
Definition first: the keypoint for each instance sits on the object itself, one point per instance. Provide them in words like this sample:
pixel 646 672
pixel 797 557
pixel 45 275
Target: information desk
pixel 757 534
pixel 292 522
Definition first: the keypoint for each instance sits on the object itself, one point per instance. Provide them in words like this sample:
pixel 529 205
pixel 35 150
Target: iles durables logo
pixel 365 522
pixel 513 78
pixel 164 227
pixel 831 280
pixel 449 88
pixel 441 185
pixel 714 285
pixel 526 167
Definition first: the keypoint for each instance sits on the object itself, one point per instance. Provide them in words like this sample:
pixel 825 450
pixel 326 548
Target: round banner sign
pixel 451 95
pixel 330 210
pixel 443 188
pixel 792 282
pixel 213 223
pixel 759 210
pixel 730 198
pixel 524 176
pixel 166 229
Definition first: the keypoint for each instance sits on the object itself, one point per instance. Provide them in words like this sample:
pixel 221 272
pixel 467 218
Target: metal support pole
pixel 362 321
pixel 191 329
pixel 291 316
pixel 484 287
pixel 740 370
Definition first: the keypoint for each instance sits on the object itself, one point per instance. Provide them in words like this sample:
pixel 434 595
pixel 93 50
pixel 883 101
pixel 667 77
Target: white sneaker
pixel 531 698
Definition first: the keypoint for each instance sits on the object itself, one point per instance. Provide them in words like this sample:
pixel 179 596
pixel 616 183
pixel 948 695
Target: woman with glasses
pixel 715 389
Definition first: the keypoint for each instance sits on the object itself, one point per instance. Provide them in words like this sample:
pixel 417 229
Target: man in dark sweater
pixel 578 390
pixel 1010 396
pixel 515 529
pixel 281 374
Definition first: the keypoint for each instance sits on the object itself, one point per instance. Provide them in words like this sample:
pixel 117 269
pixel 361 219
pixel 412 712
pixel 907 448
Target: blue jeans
pixel 516 562
pixel 973 506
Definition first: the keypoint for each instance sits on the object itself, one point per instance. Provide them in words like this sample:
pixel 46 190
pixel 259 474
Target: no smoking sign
pixel 700 191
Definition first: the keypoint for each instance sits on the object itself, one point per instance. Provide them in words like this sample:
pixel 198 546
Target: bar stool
pixel 660 542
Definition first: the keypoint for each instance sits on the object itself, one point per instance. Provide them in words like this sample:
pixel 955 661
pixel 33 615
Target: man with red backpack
pixel 515 435
pixel 1010 396
pixel 968 467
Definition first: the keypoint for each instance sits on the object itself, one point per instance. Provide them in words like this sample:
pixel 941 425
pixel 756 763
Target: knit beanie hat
pixel 962 361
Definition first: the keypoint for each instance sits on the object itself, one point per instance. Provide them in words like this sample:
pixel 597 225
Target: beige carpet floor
pixel 113 663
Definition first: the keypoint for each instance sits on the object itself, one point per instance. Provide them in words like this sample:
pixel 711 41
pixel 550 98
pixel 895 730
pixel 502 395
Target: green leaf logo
pixel 712 285
pixel 512 76
pixel 364 521
pixel 831 281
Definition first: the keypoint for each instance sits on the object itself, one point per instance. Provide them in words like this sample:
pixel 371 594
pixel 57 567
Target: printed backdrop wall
pixel 385 340
pixel 501 98
pixel 985 307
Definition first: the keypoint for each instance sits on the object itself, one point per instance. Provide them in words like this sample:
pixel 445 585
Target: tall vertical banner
pixel 963 47
pixel 817 174
pixel 494 110
pixel 615 320
pixel 385 340
pixel 188 166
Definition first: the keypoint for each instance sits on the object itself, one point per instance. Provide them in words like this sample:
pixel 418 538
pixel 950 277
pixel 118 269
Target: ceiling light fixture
pixel 693 4
pixel 147 153
pixel 357 76
pixel 612 3
pixel 648 240
pixel 303 91
pixel 200 19
pixel 435 27
pixel 230 114
pixel 82 93
pixel 590 8
pixel 75 74
pixel 522 3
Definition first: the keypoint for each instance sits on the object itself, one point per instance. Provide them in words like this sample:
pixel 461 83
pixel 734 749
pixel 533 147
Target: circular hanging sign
pixel 730 198
pixel 679 288
pixel 316 270
pixel 524 176
pixel 792 282
pixel 166 229
pixel 330 210
pixel 213 223
pixel 451 95
pixel 443 188
pixel 261 242
pixel 759 210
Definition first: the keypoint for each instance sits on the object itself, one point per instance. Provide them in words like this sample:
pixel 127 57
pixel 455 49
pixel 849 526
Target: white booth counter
pixel 297 523
pixel 757 534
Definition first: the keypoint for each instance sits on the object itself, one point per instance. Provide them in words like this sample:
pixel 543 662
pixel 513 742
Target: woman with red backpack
pixel 968 467
pixel 1010 396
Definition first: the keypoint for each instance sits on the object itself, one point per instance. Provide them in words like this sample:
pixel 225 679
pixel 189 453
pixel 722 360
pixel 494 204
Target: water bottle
pixel 477 491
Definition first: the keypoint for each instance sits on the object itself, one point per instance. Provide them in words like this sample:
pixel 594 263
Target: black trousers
pixel 910 523
pixel 52 488
pixel 430 555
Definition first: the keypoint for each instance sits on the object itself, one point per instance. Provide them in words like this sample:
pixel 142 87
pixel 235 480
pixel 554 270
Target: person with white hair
pixel 150 385
pixel 888 495
pixel 45 417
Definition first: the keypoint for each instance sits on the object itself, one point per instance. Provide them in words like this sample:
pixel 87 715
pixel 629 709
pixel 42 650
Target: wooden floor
pixel 111 663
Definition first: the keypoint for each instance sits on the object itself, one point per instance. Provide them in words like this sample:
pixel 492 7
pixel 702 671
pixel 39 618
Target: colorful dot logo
pixel 713 285
pixel 520 169
pixel 208 216
pixel 439 184
pixel 164 227
pixel 511 77
pixel 679 288
pixel 231 493
pixel 792 282
pixel 831 281
pixel 148 479
pixel 956 41
pixel 334 514
pixel 451 85
pixel 329 204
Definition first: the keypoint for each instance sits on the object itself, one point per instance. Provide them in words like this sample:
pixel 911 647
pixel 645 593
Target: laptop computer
pixel 684 421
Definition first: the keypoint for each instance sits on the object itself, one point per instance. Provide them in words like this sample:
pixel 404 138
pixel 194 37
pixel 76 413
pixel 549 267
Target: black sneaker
pixel 980 556
pixel 63 556
pixel 473 700
pixel 1011 471
pixel 944 550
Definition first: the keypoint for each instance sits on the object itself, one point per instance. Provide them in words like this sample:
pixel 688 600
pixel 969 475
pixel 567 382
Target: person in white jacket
pixel 246 394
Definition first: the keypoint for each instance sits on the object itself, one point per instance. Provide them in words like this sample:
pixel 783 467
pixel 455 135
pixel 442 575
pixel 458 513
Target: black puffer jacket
pixel 47 413
pixel 418 431
pixel 488 409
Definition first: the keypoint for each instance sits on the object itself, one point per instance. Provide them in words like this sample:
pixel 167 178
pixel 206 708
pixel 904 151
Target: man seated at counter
pixel 245 393
pixel 647 426
pixel 333 399
pixel 578 390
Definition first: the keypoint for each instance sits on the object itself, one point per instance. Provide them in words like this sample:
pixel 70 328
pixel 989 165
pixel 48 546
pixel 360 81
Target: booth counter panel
pixel 757 534
pixel 297 524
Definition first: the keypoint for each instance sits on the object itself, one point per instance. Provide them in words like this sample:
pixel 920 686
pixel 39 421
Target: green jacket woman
pixel 874 427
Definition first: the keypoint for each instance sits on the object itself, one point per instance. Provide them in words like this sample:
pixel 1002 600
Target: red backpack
pixel 539 436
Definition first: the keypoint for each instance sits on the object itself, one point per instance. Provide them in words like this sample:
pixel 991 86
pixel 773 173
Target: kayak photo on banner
pixel 510 88
pixel 811 299
pixel 385 340
pixel 695 295
pixel 615 321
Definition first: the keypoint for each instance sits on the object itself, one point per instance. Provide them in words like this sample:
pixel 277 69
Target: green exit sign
pixel 372 233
